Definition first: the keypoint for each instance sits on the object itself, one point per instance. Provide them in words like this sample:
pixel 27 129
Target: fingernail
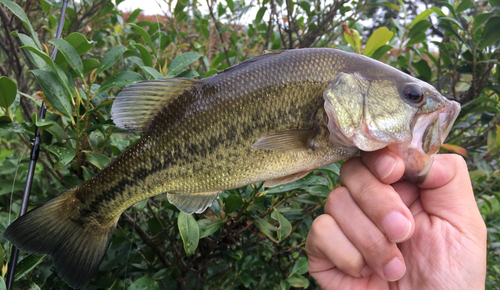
pixel 395 269
pixel 385 165
pixel 396 227
pixel 366 272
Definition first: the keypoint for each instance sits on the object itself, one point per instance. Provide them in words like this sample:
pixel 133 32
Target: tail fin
pixel 77 248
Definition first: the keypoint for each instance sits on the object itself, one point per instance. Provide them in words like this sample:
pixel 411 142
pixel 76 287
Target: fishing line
pixel 11 268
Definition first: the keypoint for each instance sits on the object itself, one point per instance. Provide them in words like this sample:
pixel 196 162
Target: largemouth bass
pixel 273 118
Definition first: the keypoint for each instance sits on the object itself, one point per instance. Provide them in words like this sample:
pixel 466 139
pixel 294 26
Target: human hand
pixel 381 233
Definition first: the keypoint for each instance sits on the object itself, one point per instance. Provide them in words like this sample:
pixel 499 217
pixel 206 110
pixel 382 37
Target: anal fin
pixel 285 179
pixel 196 202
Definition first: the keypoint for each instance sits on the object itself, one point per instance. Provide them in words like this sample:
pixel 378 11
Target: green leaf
pixel 145 55
pixel 57 131
pixel 64 153
pixel 483 109
pixel 451 20
pixel 208 226
pixel 190 233
pixel 298 281
pixel 15 128
pixel 464 5
pixel 110 58
pixel 18 11
pixel 27 41
pixel 300 267
pixel 494 3
pixel 70 54
pixel 181 62
pixel 381 51
pixel 379 38
pixel 265 227
pixel 133 15
pixel 89 64
pixel 187 74
pixel 491 33
pixel 8 91
pixel 154 73
pixel 117 285
pixel 421 17
pixel 421 27
pixel 54 91
pixel 27 264
pixel 144 34
pixel 438 11
pixel 423 69
pixel 97 159
pixel 450 7
pixel 210 72
pixel 42 55
pixel 224 29
pixel 121 79
pixel 144 283
pixel 79 42
pixel 232 203
pixel 285 227
pixel 42 124
pixel 2 255
pixel 480 19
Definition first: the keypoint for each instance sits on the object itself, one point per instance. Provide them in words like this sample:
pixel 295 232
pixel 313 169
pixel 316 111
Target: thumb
pixel 447 193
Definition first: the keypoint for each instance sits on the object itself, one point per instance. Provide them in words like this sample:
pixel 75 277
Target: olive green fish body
pixel 273 118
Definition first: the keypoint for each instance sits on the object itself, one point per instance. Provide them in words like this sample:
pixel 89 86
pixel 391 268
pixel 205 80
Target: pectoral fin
pixel 196 202
pixel 297 139
pixel 285 179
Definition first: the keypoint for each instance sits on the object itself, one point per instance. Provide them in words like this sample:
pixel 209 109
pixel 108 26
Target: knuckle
pixel 367 191
pixel 376 243
pixel 336 198
pixel 321 226
pixel 352 262
pixel 459 161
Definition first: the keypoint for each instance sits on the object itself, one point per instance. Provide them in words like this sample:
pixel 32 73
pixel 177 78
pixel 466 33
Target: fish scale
pixel 272 118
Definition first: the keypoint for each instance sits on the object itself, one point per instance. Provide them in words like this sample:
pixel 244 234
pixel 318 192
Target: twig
pixel 146 238
pixel 218 31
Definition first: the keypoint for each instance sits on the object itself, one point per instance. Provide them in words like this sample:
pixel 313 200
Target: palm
pixel 438 256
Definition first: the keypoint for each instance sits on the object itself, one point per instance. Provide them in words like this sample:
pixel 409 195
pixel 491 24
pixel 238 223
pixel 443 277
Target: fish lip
pixel 417 161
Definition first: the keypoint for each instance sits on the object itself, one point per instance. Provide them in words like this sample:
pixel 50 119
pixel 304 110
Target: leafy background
pixel 252 237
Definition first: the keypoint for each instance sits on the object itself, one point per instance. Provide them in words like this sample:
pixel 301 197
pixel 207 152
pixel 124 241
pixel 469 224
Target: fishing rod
pixel 11 270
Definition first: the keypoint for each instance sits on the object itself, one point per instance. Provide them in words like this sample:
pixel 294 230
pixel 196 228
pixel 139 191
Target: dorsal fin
pixel 243 64
pixel 137 105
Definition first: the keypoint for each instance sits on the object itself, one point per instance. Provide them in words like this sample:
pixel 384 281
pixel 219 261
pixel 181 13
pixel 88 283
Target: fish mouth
pixel 428 134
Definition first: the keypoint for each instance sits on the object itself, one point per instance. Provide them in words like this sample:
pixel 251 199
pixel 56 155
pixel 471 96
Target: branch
pixel 147 239
pixel 77 22
pixel 218 30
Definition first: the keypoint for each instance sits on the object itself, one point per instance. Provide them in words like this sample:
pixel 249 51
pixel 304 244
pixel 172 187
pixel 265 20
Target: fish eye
pixel 414 94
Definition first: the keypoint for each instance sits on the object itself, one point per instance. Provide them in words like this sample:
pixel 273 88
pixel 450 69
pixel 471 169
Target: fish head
pixel 393 110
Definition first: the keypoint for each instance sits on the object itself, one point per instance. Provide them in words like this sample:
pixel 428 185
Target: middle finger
pixel 382 256
pixel 379 201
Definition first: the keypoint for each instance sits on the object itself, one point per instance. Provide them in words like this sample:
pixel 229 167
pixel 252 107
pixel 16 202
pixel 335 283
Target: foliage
pixel 252 237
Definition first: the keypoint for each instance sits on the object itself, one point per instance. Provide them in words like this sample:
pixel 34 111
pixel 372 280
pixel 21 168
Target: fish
pixel 274 118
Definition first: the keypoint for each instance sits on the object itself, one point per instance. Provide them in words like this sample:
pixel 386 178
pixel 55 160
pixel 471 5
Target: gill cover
pixel 366 113
pixel 372 113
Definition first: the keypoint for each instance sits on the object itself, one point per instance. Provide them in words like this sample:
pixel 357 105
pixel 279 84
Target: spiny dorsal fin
pixel 196 202
pixel 137 105
pixel 296 139
pixel 243 64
